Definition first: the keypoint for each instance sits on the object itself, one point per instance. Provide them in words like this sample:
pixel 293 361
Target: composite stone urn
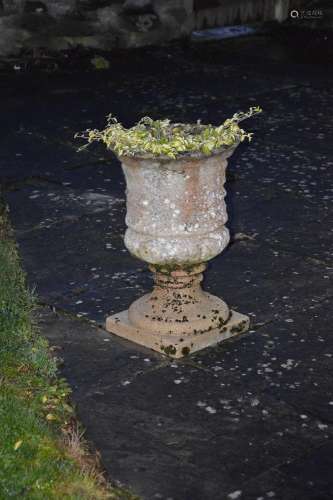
pixel 176 216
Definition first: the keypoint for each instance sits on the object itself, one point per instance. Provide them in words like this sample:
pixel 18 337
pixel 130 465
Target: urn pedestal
pixel 175 220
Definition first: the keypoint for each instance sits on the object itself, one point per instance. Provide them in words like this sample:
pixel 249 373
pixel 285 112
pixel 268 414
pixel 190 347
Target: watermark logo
pixel 306 14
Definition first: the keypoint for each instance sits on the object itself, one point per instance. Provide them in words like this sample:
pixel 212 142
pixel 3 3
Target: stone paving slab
pixel 51 204
pixel 76 266
pixel 234 412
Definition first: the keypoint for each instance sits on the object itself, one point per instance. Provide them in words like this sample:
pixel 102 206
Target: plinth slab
pixel 177 346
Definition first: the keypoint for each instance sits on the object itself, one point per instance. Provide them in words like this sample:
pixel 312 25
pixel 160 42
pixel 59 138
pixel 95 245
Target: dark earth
pixel 251 419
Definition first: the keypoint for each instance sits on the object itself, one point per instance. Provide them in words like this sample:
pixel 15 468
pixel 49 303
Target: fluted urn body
pixel 176 212
pixel 176 216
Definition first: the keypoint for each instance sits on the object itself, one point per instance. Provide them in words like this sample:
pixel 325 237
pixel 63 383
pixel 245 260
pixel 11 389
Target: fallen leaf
pixel 49 417
pixel 100 62
pixel 17 444
pixel 243 236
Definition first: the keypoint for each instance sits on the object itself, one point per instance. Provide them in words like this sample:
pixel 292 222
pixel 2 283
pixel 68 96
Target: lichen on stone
pixel 169 350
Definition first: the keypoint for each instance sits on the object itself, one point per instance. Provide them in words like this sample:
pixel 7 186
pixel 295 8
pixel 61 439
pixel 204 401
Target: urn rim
pixel 196 156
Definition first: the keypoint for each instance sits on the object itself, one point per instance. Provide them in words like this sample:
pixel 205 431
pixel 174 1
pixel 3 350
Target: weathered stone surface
pixel 138 6
pixel 175 209
pixel 12 37
pixel 175 220
pixel 176 345
pixel 35 6
pixel 62 24
pixel 221 414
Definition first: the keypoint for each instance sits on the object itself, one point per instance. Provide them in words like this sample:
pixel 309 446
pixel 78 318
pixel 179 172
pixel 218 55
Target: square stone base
pixel 176 346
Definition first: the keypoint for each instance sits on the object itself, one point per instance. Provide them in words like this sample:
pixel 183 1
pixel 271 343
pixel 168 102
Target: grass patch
pixel 42 455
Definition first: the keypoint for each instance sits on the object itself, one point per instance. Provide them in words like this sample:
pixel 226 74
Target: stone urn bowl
pixel 176 216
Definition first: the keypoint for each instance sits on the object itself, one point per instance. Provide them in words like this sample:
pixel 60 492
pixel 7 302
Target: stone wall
pixel 211 13
pixel 104 24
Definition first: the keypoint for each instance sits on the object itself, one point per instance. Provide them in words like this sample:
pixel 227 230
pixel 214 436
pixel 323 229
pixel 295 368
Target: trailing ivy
pixel 162 138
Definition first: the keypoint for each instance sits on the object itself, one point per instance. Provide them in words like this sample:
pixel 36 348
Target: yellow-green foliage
pixel 161 138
